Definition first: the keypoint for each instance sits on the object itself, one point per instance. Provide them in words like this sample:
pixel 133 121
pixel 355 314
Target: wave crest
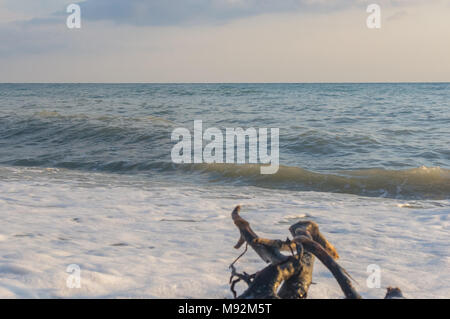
pixel 416 183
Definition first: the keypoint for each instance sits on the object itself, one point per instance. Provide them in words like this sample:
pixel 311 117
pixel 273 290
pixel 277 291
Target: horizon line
pixel 344 82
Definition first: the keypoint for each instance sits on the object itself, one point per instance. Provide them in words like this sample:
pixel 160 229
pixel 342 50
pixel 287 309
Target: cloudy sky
pixel 224 41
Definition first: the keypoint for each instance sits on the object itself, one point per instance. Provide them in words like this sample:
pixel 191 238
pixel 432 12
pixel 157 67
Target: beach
pixel 86 179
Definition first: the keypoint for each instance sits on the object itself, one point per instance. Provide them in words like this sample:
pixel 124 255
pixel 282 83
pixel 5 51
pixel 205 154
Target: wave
pixel 415 183
pixel 49 138
pixel 129 145
pixel 319 142
pixel 45 114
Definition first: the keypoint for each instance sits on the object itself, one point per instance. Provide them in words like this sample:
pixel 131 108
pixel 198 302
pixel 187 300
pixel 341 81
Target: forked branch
pixel 293 273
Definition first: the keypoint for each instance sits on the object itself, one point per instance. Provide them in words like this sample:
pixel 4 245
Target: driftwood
pixel 289 276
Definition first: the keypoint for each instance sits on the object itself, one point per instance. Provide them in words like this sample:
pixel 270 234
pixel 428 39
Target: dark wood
pixel 290 276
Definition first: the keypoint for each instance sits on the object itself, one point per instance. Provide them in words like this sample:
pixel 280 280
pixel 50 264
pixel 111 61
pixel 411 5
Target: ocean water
pixel 86 177
pixel 388 140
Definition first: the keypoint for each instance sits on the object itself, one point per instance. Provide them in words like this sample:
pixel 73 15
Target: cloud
pixel 197 12
pixel 19 39
pixel 32 8
pixel 164 12
pixel 183 12
pixel 200 12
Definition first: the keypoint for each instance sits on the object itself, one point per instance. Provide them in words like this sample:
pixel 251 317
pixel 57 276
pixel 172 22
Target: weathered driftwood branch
pixel 297 286
pixel 290 276
pixel 268 254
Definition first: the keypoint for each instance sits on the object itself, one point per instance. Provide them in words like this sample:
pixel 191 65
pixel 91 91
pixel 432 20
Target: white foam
pixel 177 242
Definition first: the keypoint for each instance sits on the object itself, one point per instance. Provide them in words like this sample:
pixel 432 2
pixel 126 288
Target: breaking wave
pixel 416 183
pixel 129 145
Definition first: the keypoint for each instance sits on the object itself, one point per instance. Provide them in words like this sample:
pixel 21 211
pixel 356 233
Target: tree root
pixel 289 277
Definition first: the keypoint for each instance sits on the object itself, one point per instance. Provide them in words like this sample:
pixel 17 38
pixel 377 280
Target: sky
pixel 225 41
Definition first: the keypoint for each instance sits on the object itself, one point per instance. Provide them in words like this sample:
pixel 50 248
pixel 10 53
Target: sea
pixel 87 178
